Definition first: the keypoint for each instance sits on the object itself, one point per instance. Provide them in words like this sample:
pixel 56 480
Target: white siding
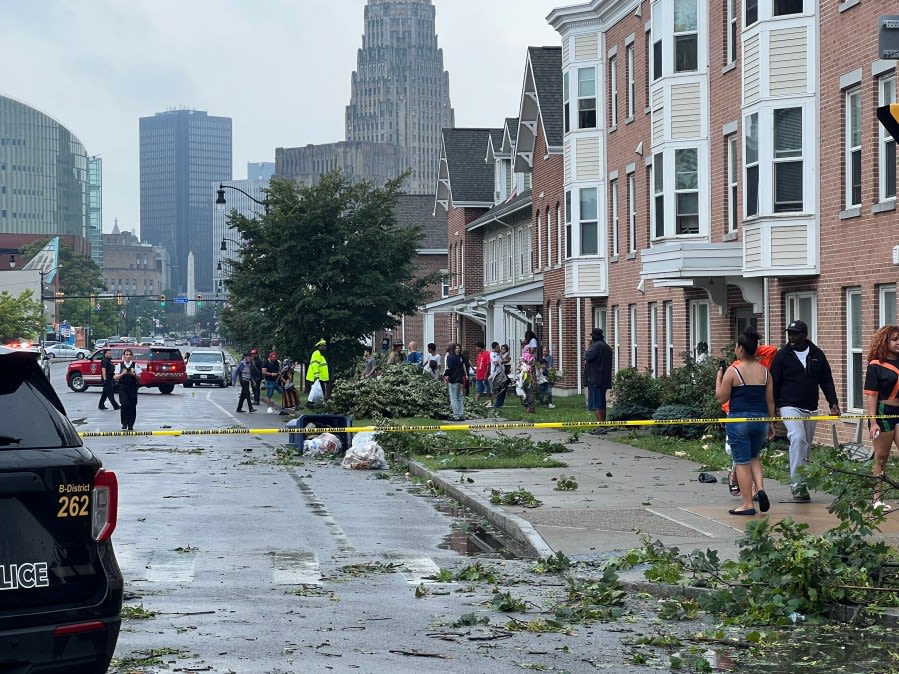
pixel 686 111
pixel 587 158
pixel 789 246
pixel 567 153
pixel 586 47
pixel 565 52
pixel 658 116
pixel 751 64
pixel 788 61
pixel 752 249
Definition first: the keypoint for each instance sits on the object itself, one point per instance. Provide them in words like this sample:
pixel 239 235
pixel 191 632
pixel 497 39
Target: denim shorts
pixel 596 397
pixel 271 385
pixel 746 438
pixel 482 386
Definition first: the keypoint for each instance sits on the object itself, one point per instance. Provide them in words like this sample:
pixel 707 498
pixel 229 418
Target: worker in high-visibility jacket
pixel 318 369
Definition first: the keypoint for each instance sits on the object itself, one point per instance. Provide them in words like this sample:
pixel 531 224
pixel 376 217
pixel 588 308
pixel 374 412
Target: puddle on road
pixel 472 535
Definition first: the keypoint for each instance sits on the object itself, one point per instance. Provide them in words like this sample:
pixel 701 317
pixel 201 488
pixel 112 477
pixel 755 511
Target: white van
pixel 207 367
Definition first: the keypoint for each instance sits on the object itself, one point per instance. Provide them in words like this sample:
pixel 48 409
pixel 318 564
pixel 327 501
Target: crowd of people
pixel 278 377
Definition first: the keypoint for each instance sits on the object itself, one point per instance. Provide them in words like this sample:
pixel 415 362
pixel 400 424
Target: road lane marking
pixel 416 569
pixel 296 568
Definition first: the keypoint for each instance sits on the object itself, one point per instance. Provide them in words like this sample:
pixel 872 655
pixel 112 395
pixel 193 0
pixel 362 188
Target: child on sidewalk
pixel 544 384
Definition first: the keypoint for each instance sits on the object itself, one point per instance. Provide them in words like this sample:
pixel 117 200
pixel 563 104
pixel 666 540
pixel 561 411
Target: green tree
pixel 324 261
pixel 20 317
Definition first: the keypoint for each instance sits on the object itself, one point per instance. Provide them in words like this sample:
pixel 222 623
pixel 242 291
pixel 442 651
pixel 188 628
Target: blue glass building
pixel 182 153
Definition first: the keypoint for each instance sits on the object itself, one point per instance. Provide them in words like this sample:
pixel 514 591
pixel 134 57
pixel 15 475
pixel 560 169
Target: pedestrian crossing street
pixel 164 568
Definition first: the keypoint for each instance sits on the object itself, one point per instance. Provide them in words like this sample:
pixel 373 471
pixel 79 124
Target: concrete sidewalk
pixel 623 492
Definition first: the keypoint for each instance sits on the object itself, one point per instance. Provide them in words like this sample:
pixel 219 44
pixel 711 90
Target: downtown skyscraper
pixel 400 91
pixel 183 154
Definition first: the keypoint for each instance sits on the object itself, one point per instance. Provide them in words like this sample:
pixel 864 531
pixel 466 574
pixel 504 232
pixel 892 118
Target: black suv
pixel 60 584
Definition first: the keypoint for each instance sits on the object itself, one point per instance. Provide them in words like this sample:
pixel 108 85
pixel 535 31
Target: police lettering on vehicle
pixel 25 576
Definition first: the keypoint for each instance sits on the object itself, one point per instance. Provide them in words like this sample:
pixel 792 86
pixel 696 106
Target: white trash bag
pixel 323 445
pixel 364 453
pixel 316 393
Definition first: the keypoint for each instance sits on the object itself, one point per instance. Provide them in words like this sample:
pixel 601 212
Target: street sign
pixel 180 300
pixel 888 37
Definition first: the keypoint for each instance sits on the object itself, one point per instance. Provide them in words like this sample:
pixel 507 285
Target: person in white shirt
pixel 432 362
pixel 127 376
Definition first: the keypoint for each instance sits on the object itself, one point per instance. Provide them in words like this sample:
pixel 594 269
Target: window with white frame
pixel 540 238
pixel 507 249
pixel 549 238
pixel 492 275
pixel 852 149
pixel 700 325
pixel 647 63
pixel 686 188
pixel 854 349
pixel 586 98
pixel 444 282
pixel 632 333
pixel 567 224
pixel 559 234
pixel 887 155
pixel 601 319
pixel 751 154
pixel 526 265
pixel 788 160
pixel 550 335
pixel 631 212
pixel 654 338
pixel 613 218
pixel 630 77
pixel 752 12
pixel 802 307
pixel 616 337
pixel 887 296
pixel 668 309
pixel 613 91
pixel 686 42
pixel 566 103
pixel 658 182
pixel 588 221
pixel 785 7
pixel 731 28
pixel 656 59
pixel 733 177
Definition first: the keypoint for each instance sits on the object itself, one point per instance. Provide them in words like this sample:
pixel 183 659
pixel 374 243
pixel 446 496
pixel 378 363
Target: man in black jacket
pixel 798 370
pixel 598 375
pixel 107 372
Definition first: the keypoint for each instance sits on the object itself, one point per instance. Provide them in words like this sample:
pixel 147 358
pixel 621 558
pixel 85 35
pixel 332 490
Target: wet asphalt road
pixel 248 564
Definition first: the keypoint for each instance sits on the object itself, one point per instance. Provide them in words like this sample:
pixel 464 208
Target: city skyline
pixel 146 57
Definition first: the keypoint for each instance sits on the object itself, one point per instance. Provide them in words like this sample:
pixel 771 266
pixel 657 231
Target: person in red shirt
pixel 482 373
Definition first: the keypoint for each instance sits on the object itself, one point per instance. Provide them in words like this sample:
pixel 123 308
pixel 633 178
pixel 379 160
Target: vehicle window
pixel 164 354
pixel 30 421
pixel 206 358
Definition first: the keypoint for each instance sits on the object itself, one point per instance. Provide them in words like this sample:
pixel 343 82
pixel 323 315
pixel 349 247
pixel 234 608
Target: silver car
pixel 66 352
pixel 207 367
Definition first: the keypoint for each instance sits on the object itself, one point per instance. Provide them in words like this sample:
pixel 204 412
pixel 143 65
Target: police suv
pixel 60 584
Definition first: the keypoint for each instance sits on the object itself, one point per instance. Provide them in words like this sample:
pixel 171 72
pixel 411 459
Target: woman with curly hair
pixel 882 399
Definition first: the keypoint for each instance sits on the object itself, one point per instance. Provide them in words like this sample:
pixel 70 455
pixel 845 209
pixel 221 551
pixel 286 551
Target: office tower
pixel 183 153
pixel 400 91
pixel 260 170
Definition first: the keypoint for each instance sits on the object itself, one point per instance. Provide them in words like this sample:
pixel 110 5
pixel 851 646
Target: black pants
pixel 128 402
pixel 244 395
pixel 108 394
pixel 256 386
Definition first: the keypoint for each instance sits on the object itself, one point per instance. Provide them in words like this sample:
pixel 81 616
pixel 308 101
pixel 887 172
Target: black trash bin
pixel 321 421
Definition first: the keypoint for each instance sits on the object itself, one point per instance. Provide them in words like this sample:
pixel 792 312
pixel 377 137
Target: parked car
pixel 61 599
pixel 100 343
pixel 163 367
pixel 66 351
pixel 207 367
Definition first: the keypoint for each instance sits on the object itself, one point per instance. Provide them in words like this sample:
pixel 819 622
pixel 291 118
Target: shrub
pixel 628 411
pixel 692 385
pixel 636 388
pixel 687 431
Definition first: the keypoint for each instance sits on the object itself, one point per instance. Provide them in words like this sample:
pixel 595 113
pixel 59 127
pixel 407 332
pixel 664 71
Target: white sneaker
pixel 880 505
pixel 551 406
pixel 270 410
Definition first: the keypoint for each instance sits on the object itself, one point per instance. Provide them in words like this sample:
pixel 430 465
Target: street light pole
pixel 220 197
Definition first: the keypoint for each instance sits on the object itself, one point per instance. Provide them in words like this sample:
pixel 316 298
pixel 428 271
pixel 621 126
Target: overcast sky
pixel 279 68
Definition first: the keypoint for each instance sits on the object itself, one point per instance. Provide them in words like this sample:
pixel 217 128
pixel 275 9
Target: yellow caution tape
pixel 501 426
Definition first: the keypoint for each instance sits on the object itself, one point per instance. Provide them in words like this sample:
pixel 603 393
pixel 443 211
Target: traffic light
pixel 60 297
pixel 162 301
pixel 889 117
pixel 199 301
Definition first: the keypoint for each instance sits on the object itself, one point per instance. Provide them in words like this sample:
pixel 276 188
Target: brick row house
pixel 692 168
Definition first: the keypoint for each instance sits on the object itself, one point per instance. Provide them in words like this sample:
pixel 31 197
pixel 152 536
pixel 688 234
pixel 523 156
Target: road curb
pixel 513 526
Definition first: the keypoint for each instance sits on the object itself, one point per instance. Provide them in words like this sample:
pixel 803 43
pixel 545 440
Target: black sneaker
pixel 598 431
pixel 241 411
pixel 102 407
pixel 801 494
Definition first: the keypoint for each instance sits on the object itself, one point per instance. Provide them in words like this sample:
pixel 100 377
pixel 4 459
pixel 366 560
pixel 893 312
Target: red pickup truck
pixel 163 367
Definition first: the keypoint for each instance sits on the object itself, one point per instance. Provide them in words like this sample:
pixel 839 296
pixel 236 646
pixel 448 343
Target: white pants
pixel 800 434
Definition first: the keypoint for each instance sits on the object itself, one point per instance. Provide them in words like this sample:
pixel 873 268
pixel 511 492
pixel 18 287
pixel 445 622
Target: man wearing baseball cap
pixel 798 370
